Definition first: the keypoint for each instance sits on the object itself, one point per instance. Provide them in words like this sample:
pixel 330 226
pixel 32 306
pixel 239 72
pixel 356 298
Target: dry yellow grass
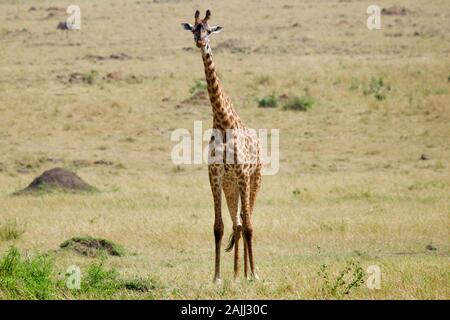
pixel 362 191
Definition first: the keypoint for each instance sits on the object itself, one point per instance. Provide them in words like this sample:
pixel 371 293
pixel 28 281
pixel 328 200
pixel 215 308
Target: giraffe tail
pixel 230 243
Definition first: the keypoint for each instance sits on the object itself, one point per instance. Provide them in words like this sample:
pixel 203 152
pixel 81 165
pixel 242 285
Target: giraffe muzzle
pixel 200 43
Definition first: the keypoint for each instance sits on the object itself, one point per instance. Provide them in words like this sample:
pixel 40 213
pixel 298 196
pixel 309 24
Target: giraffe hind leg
pixel 215 177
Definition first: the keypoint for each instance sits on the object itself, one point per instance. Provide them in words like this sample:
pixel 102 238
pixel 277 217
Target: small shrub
pixel 29 278
pixel 268 102
pixel 10 231
pixel 352 276
pixel 302 103
pixel 378 88
pixel 98 280
pixel 200 85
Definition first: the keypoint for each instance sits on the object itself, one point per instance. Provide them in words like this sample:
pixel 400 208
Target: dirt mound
pixel 395 11
pixel 59 179
pixel 92 247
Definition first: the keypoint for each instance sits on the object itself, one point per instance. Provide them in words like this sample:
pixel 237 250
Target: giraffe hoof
pixel 217 281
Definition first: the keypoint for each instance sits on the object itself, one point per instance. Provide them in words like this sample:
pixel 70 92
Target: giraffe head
pixel 202 30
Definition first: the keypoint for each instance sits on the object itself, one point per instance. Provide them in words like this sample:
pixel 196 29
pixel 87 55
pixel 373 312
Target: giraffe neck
pixel 225 117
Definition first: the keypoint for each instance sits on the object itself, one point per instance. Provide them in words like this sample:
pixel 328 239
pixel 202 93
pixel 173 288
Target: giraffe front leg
pixel 245 259
pixel 244 186
pixel 218 233
pixel 215 181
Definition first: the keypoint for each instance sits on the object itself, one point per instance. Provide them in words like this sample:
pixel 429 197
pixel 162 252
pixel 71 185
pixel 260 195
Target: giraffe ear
pixel 188 26
pixel 215 29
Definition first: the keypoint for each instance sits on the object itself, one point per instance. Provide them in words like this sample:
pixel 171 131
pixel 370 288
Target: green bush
pixel 268 102
pixel 378 88
pixel 200 85
pixel 26 278
pixel 100 281
pixel 351 276
pixel 302 103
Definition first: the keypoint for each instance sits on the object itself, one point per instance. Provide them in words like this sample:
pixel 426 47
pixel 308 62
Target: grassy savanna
pixel 353 186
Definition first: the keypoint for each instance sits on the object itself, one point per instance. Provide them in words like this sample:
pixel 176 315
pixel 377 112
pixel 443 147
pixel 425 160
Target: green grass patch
pixel 199 85
pixel 27 278
pixel 98 281
pixel 34 277
pixel 268 102
pixel 299 103
pixel 376 87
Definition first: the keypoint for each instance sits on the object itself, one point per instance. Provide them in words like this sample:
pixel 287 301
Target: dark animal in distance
pixel 62 26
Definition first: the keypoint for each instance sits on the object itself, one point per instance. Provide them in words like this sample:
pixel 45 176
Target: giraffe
pixel 234 163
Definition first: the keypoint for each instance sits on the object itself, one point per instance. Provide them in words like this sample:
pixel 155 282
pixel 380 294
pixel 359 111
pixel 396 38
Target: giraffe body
pixel 234 163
